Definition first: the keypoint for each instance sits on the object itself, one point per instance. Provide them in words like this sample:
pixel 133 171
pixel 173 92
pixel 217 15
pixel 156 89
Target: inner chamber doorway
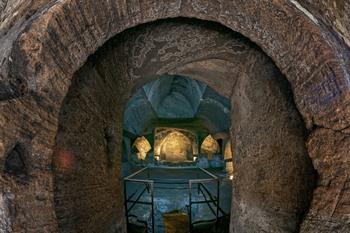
pixel 178 116
pixel 273 173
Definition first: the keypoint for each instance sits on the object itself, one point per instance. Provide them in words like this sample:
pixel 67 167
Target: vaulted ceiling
pixel 177 100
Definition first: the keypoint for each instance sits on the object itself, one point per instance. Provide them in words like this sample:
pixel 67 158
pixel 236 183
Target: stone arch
pixel 229 64
pixel 59 41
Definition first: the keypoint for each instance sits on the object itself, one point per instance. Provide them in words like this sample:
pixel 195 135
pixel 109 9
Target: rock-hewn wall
pixel 87 156
pixel 14 12
pixel 330 202
pixel 334 13
pixel 274 178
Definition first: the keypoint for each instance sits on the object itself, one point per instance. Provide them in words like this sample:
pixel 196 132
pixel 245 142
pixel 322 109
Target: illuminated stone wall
pixel 228 155
pixel 176 147
pixel 210 146
pixel 228 150
pixel 175 144
pixel 143 146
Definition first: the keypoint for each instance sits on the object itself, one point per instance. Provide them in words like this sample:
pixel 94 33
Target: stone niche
pixel 143 147
pixel 210 146
pixel 175 145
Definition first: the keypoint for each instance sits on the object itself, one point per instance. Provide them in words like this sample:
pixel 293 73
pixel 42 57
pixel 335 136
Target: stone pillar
pixel 274 175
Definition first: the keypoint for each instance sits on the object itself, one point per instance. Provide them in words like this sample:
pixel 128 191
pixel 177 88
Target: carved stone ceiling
pixel 176 97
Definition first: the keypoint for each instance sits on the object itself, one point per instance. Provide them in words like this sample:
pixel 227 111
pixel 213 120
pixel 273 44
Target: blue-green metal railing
pixel 209 198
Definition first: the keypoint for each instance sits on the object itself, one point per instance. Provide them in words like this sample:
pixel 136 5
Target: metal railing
pixel 213 199
pixel 149 187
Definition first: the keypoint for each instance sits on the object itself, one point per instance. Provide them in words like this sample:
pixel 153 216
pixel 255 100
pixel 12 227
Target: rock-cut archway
pixel 55 43
pixel 274 175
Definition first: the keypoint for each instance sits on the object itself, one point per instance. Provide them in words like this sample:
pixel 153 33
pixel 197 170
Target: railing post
pixel 152 201
pixel 217 202
pixel 190 203
pixel 126 207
